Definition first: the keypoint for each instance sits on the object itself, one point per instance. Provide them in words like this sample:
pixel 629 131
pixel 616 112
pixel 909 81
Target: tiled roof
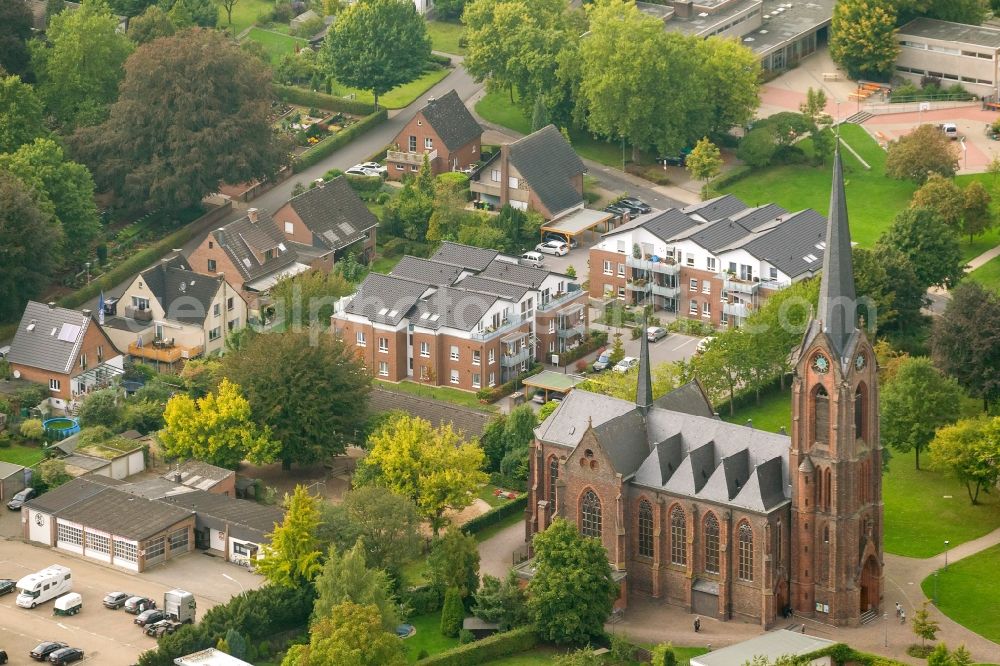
pixel 424 270
pixel 451 120
pixel 670 224
pixel 464 256
pixel 451 308
pixel 787 245
pixel 717 208
pixel 525 276
pixel 503 289
pixel 548 163
pixel 49 338
pixel 184 295
pixel 471 422
pixel 385 299
pixel 242 240
pixel 334 213
pixel 253 515
pixel 198 474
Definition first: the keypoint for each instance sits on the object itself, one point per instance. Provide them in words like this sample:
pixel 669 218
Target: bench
pixel 831 76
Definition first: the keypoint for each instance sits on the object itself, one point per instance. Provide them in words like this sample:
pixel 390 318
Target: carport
pixel 549 381
pixel 578 222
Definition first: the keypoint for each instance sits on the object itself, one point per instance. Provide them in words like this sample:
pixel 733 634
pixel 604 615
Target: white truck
pixel 49 583
pixel 179 605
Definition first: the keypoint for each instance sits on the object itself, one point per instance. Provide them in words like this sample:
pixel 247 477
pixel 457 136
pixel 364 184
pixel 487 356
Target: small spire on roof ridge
pixel 644 390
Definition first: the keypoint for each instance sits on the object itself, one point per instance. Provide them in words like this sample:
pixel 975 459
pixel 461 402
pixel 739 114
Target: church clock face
pixel 860 361
pixel 821 364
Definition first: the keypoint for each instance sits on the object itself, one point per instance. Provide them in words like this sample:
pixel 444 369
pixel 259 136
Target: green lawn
pixel 988 274
pixel 22 455
pixel 397 98
pixel 445 35
pixel 486 494
pixel 275 44
pixel 775 411
pixel 969 592
pixel 245 13
pixel 428 637
pixel 544 655
pixel 463 398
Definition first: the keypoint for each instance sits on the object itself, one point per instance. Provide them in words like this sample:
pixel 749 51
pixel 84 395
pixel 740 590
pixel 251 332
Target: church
pixel 725 520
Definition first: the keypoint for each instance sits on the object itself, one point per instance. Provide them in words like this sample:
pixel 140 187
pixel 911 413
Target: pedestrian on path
pixel 697 624
pixel 902 616
pixel 899 609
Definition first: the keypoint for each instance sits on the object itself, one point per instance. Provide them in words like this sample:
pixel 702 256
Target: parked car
pixel 637 204
pixel 632 210
pixel 161 628
pixel 572 242
pixel 538 397
pixel 673 160
pixel 556 396
pixel 18 500
pixel 149 616
pixel 603 361
pixel 4 352
pixel 66 655
pixel 7 585
pixel 654 333
pixel 532 259
pixel 950 130
pixel 617 210
pixel 557 248
pixel 626 364
pixel 359 170
pixel 703 344
pixel 115 600
pixel 374 166
pixel 43 650
pixel 136 605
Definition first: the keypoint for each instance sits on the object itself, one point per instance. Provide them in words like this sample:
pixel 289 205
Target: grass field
pixel 969 592
pixel 399 97
pixel 775 411
pixel 245 13
pixel 447 394
pixel 428 637
pixel 445 35
pixel 22 455
pixel 988 274
pixel 275 44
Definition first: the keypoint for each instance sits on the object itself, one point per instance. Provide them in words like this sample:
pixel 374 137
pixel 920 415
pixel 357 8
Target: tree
pixel 917 402
pixel 53 473
pixel 546 410
pixel 976 214
pixel 454 563
pixel 100 408
pixel 308 387
pixel 21 114
pixel 201 376
pixel 345 578
pixel 450 198
pixel 78 74
pixel 350 635
pixel 733 73
pixel 814 108
pixel 377 45
pixel 219 130
pixel 617 350
pixel 924 625
pixel 292 557
pixel 862 38
pixel 237 643
pixel 16 23
pixel 666 377
pixel 452 612
pixel 152 24
pixel 32 241
pixel 492 441
pixel 663 655
pixel 959 11
pixel 970 451
pixel 585 656
pixel 923 151
pixel 942 196
pixel 724 366
pixel 504 602
pixel 64 186
pixel 931 247
pixel 966 341
pixel 885 277
pixel 939 656
pixel 704 162
pixel 407 214
pixel 961 656
pixel 307 299
pixel 758 147
pixel 216 429
pixel 387 524
pixel 192 13
pixel 228 6
pixel 540 114
pixel 431 466
pixel 571 593
pixel 449 10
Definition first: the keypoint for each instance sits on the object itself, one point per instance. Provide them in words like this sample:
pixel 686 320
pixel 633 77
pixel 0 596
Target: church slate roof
pixel 689 398
pixel 836 308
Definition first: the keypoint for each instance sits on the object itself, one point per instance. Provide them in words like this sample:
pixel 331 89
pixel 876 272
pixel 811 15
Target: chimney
pixel 52 305
pixel 86 313
pixel 319 182
pixel 252 214
pixel 682 8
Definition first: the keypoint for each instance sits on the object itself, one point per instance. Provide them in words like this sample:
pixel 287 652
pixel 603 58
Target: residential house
pixel 713 261
pixel 326 222
pixel 253 253
pixel 467 317
pixel 445 131
pixel 66 350
pixel 170 314
pixel 955 53
pixel 540 172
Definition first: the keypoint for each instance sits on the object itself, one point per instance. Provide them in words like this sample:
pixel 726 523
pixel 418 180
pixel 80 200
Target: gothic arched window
pixel 645 529
pixel 860 413
pixel 827 483
pixel 553 477
pixel 678 536
pixel 590 515
pixel 744 566
pixel 712 544
pixel 821 415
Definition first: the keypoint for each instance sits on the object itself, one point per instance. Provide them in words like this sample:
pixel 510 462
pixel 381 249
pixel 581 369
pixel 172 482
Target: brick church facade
pixel 725 520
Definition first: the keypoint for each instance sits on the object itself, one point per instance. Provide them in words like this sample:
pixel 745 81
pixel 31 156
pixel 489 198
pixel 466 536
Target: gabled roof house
pixel 445 131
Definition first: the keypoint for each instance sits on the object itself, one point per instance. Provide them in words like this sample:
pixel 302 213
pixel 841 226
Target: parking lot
pixel 107 637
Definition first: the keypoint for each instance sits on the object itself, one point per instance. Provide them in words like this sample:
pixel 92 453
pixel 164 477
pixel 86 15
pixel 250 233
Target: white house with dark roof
pixel 66 350
pixel 170 314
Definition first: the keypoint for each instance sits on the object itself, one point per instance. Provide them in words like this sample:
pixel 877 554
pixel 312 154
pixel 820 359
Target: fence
pixel 883 108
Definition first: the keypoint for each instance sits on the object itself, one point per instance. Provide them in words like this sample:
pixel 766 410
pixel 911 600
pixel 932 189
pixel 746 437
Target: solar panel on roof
pixel 346 228
pixel 69 332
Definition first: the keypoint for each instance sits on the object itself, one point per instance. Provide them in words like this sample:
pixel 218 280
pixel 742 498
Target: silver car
pixel 626 364
pixel 654 333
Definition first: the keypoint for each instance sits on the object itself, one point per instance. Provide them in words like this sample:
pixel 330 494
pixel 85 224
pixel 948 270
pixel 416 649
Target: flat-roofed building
pixel 952 52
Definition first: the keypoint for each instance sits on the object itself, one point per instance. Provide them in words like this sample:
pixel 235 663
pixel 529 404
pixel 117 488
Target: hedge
pixel 303 97
pixel 496 515
pixel 494 394
pixel 327 147
pixel 841 653
pixel 442 60
pixel 510 642
pixel 421 600
pixel 364 183
pixel 595 339
pixel 143 259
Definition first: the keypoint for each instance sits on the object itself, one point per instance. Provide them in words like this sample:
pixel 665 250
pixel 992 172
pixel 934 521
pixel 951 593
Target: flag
pixel 100 309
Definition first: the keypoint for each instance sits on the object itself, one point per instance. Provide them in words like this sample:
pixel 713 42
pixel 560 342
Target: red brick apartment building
pixel 444 131
pixel 467 317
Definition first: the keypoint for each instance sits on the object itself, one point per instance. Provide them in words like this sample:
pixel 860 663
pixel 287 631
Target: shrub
pixel 327 147
pixel 423 654
pixel 332 173
pixel 465 636
pixel 5 440
pixel 758 147
pixel 422 600
pixel 494 394
pixel 365 183
pixel 32 429
pixel 440 60
pixel 595 340
pixel 495 515
pixel 453 612
pixel 308 98
pixel 489 649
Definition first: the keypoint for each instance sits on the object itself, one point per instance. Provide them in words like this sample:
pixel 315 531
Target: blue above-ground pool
pixel 61 427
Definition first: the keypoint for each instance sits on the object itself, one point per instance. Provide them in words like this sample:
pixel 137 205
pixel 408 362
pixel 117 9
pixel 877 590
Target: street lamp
pixel 230 578
pixel 935 587
pixel 88 272
pixel 946 554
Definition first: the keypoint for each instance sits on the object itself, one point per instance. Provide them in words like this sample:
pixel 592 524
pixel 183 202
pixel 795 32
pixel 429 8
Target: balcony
pixel 663 290
pixel 506 327
pixel 137 314
pixel 562 299
pixel 640 285
pixel 572 331
pixel 731 283
pixel 511 360
pixel 664 265
pixel 163 353
pixel 413 159
pixel 741 310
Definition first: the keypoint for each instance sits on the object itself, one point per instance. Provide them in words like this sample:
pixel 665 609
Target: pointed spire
pixel 837 301
pixel 644 394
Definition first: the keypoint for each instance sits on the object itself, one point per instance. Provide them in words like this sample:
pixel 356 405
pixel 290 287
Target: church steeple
pixel 644 394
pixel 837 301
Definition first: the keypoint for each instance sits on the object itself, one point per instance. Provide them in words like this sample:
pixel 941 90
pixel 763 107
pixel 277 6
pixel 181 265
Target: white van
pixel 532 259
pixel 49 583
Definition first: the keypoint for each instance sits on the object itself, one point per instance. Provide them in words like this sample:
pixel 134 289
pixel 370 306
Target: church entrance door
pixel 869 585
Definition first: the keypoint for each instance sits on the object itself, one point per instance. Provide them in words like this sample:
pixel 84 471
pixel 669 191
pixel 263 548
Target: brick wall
pixel 598 279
